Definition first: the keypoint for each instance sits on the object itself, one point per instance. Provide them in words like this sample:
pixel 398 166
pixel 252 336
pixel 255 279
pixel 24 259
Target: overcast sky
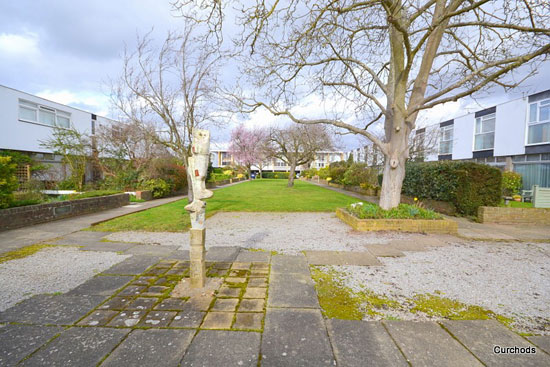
pixel 66 50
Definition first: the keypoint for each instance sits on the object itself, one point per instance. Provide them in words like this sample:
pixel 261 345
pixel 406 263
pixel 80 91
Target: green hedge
pixel 467 185
pixel 276 175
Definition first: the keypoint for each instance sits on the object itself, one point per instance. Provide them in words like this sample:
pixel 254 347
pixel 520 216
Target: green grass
pixel 516 204
pixel 22 252
pixel 252 196
pixel 403 211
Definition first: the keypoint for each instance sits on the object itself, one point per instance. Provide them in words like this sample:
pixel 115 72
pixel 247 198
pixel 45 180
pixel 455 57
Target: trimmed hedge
pixel 467 185
pixel 277 175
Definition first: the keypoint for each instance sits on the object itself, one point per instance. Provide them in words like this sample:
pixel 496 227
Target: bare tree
pixel 388 59
pixel 298 144
pixel 172 88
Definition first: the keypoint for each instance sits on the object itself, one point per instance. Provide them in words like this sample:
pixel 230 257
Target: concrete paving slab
pixel 543 342
pixel 178 255
pixel 188 318
pixel 295 337
pixel 18 341
pixel 384 251
pixel 133 265
pixel 77 347
pixel 108 246
pixel 217 320
pixel 292 290
pixel 360 343
pixel 253 256
pixel 152 250
pixel 115 303
pixel 248 321
pixel 482 336
pixel 158 318
pixel 160 348
pixel 98 318
pixel 428 344
pixel 358 258
pixel 101 285
pixel 323 258
pixel 44 309
pixel 223 348
pixel 288 264
pixel 222 254
pixel 251 305
pixel 402 245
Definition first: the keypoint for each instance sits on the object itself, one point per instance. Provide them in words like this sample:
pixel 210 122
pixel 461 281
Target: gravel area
pixel 51 270
pixel 510 279
pixel 287 233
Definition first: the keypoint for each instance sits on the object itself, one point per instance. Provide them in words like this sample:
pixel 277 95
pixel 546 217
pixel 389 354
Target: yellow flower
pixel 415 199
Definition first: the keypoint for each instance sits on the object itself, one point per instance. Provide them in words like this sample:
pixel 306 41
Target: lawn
pixel 252 196
pixel 516 204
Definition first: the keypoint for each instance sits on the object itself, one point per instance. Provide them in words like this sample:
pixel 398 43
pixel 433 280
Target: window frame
pixel 537 122
pixel 476 134
pixel 37 107
pixel 442 130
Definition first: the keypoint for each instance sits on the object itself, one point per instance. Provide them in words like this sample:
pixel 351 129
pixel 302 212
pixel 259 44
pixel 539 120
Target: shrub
pixel 467 185
pixel 323 173
pixel 358 174
pixel 337 171
pixel 511 183
pixel 91 194
pixel 158 187
pixel 403 211
pixel 217 177
pixel 8 181
pixel 276 175
pixel 309 173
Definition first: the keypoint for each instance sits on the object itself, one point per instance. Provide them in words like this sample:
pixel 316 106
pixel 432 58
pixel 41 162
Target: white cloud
pixel 90 101
pixel 19 45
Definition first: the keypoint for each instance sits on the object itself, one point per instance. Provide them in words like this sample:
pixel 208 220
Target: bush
pixel 91 194
pixel 337 172
pixel 8 181
pixel 276 175
pixel 511 183
pixel 358 174
pixel 323 173
pixel 217 177
pixel 467 185
pixel 309 173
pixel 403 211
pixel 158 187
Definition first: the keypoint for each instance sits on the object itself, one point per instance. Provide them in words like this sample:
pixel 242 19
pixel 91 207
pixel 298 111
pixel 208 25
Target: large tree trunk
pixel 249 172
pixel 394 169
pixel 291 174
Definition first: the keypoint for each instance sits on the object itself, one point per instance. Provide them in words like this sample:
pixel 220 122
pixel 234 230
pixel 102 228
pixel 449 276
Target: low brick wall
pixel 144 195
pixel 494 214
pixel 32 214
pixel 442 226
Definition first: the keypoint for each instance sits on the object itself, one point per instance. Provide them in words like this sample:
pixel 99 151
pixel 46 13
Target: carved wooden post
pixel 198 167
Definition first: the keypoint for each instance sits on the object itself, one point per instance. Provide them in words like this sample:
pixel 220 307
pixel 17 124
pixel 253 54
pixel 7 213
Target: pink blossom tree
pixel 249 147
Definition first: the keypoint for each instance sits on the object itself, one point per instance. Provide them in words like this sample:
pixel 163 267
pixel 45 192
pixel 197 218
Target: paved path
pixel 476 231
pixel 264 312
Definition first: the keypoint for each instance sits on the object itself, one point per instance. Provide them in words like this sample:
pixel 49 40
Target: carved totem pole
pixel 197 168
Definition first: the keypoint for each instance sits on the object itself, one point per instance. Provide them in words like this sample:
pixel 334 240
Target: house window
pixel 446 140
pixel 485 132
pixel 539 122
pixel 33 112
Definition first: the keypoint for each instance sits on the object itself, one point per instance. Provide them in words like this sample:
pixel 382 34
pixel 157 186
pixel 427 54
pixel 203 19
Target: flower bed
pixel 404 218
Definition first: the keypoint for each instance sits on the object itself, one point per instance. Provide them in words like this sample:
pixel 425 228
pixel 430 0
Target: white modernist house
pixel 221 157
pixel 514 136
pixel 28 120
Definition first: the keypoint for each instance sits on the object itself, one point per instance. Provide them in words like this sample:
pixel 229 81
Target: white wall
pixel 510 128
pixel 463 136
pixel 19 135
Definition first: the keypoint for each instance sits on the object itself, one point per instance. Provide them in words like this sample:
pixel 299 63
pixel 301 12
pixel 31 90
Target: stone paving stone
pixel 188 318
pixel 145 280
pixel 358 258
pixel 178 255
pixel 152 250
pixel 543 342
pixel 238 273
pixel 295 337
pixel 223 348
pixel 141 303
pixel 384 251
pixel 177 271
pixel 480 336
pixel 259 273
pixel 155 271
pixel 226 291
pixel 241 265
pixel 133 265
pixel 402 245
pixel 217 320
pixel 222 265
pixel 222 254
pixel 288 264
pixel 260 266
pixel 153 347
pixel 248 321
pixel 155 290
pixel 101 285
pixel 252 292
pixel 200 302
pixel 292 290
pixel 235 280
pixel 175 304
pixel 115 303
pixel 253 256
pixel 225 304
pixel 108 246
pixel 158 318
pixel 98 318
pixel 132 290
pixel 127 318
pixel 77 347
pixel 43 309
pixel 358 343
pixel 252 305
pixel 427 344
pixel 257 282
pixel 18 341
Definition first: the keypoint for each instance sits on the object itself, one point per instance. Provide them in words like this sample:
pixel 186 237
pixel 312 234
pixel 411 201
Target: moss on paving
pixel 22 252
pixel 252 196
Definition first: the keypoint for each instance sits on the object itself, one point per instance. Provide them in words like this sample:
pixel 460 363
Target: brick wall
pixel 490 214
pixel 32 214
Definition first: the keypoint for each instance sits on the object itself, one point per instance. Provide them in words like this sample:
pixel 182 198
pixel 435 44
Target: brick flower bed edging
pixel 442 226
pixel 495 214
pixel 40 213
